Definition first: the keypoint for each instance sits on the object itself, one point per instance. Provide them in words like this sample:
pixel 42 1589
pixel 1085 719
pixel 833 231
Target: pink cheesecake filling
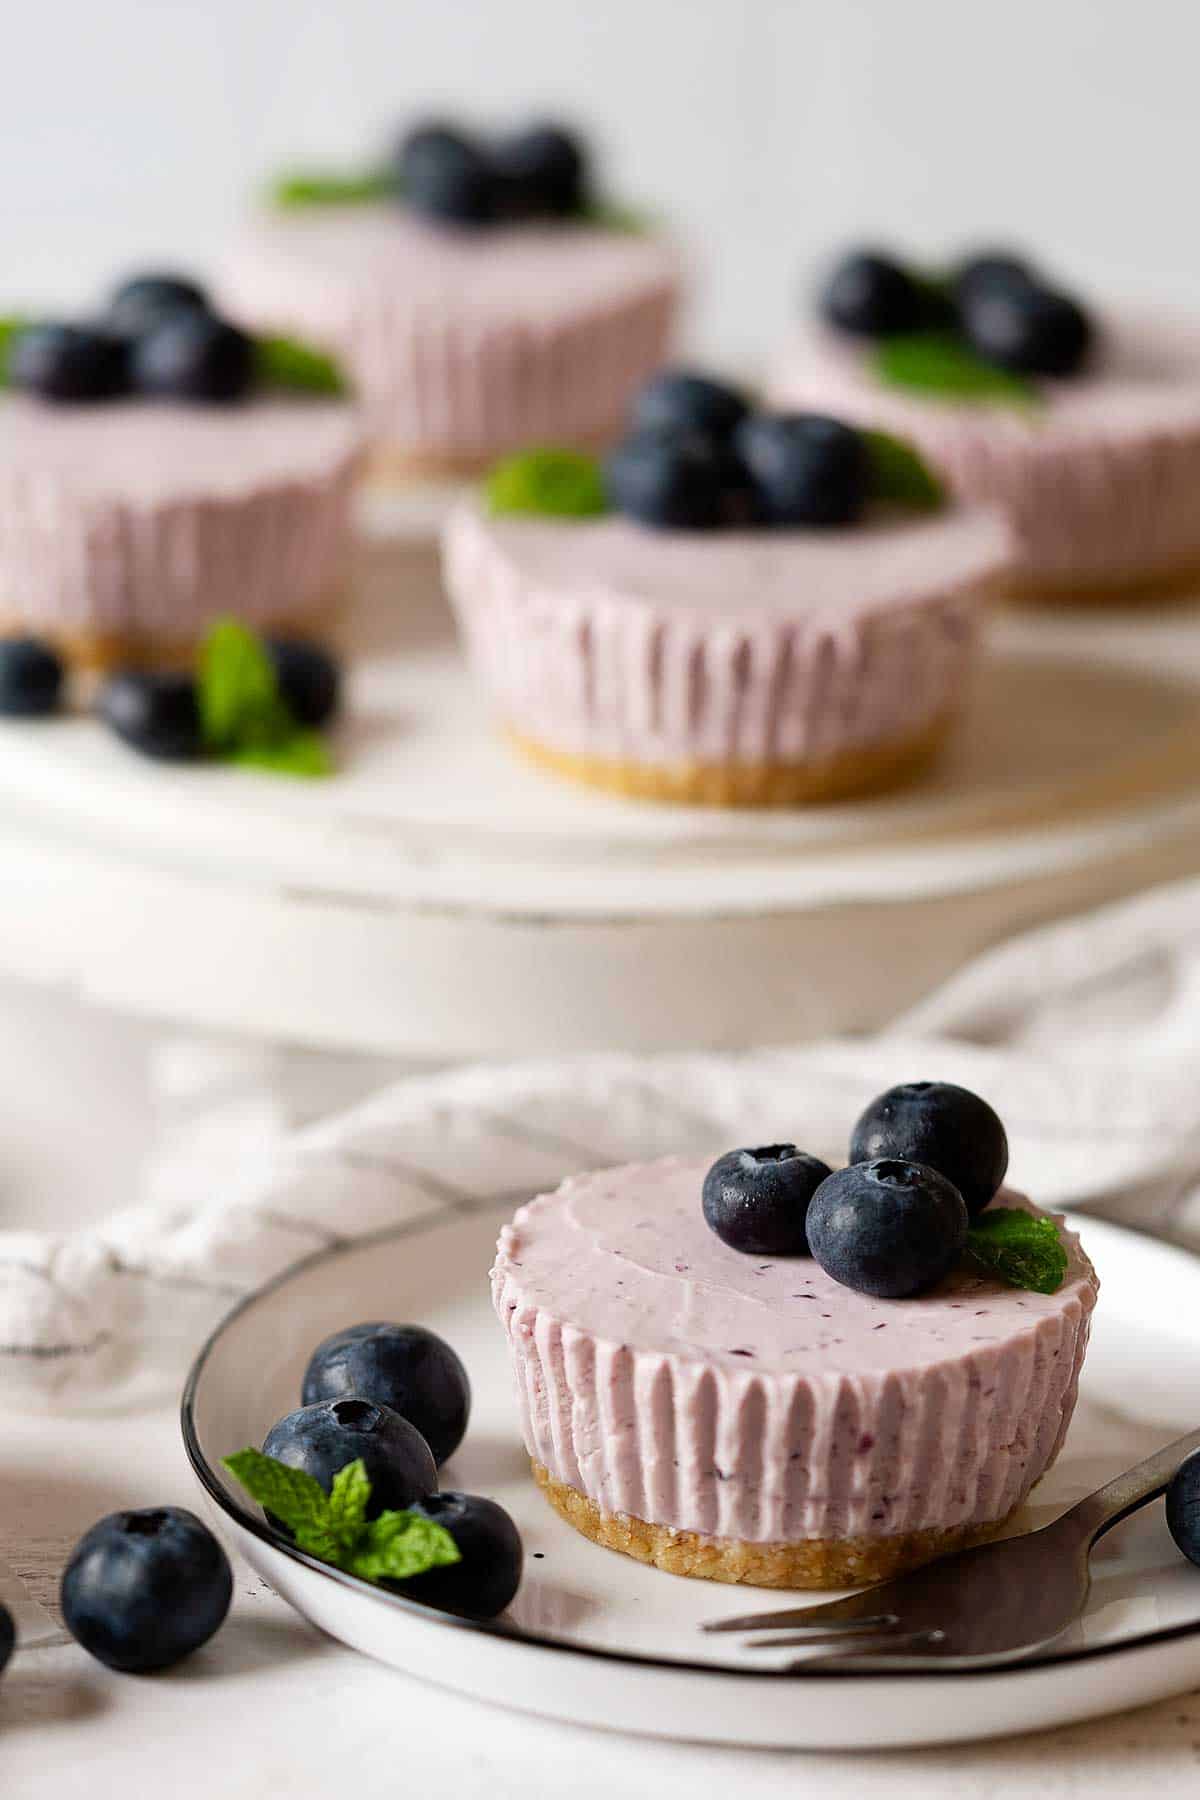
pixel 1100 479
pixel 671 1378
pixel 140 517
pixel 461 343
pixel 602 637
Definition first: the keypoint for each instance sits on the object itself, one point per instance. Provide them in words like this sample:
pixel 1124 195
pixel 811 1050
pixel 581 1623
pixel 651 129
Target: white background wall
pixel 769 130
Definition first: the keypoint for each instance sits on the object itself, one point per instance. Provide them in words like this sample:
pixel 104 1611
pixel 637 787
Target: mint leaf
pixel 610 215
pixel 304 754
pixel 10 329
pixel 348 1497
pixel 564 484
pixel 286 363
pixel 293 1496
pixel 940 364
pixel 900 474
pixel 238 692
pixel 398 1545
pixel 324 187
pixel 1022 1249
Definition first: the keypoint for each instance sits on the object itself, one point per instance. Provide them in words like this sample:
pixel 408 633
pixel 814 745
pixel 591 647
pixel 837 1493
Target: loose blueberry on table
pixel 1183 1508
pixel 406 1368
pixel 322 1438
pixel 31 678
pixel 310 681
pixel 144 1589
pixel 8 1636
pixel 757 1201
pixel 156 713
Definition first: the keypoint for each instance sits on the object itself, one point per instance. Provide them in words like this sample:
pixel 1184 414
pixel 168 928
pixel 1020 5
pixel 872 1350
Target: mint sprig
pixel 284 363
pixel 563 484
pixel 900 475
pixel 938 364
pixel 10 329
pixel 611 215
pixel 1021 1248
pixel 243 716
pixel 334 1527
pixel 328 187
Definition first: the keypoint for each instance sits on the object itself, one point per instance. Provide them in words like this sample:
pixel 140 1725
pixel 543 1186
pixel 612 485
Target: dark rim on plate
pixel 513 1634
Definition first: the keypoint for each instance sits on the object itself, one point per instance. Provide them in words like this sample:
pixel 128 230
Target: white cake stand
pixel 438 899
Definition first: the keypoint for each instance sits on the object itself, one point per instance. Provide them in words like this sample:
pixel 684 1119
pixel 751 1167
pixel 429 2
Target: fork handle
pixel 1100 1511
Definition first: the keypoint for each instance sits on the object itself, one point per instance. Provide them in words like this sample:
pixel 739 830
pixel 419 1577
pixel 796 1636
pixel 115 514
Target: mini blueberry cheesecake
pixel 477 292
pixel 1083 426
pixel 160 468
pixel 765 1371
pixel 737 608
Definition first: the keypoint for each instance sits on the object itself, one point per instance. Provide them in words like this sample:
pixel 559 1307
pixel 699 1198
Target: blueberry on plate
pixel 1030 330
pixel 946 1127
pixel 871 295
pixel 807 469
pixel 8 1637
pixel 145 300
pixel 447 175
pixel 309 678
pixel 887 1228
pixel 68 362
pixel 681 400
pixel 1183 1507
pixel 685 481
pixel 992 271
pixel 324 1437
pixel 542 172
pixel 192 355
pixel 489 1574
pixel 405 1367
pixel 757 1200
pixel 154 712
pixel 31 678
pixel 144 1589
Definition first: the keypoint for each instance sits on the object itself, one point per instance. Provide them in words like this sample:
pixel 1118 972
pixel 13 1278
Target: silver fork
pixel 998 1603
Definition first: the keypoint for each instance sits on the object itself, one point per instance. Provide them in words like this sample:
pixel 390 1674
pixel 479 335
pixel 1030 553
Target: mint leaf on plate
pixel 398 1545
pixel 349 1493
pixel 900 474
pixel 563 484
pixel 293 1496
pixel 324 187
pixel 942 366
pixel 304 754
pixel 1021 1248
pixel 286 363
pixel 238 692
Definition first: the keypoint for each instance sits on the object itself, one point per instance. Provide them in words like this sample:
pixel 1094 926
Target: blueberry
pixel 681 480
pixel 1183 1507
pixel 324 1437
pixel 680 400
pixel 484 1582
pixel 1030 330
pixel 31 678
pixel 446 175
pixel 8 1637
pixel 946 1127
pixel 154 713
pixel 888 1228
pixel 992 271
pixel 144 1589
pixel 757 1200
pixel 309 679
pixel 542 172
pixel 68 362
pixel 404 1367
pixel 145 300
pixel 191 355
pixel 872 296
pixel 807 469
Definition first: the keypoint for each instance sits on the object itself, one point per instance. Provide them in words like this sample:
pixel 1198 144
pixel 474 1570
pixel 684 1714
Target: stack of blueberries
pixel 698 457
pixel 460 178
pixel 158 336
pixel 997 302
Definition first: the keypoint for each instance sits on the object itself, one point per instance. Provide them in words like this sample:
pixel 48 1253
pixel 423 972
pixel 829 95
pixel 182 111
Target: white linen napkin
pixel 1085 1036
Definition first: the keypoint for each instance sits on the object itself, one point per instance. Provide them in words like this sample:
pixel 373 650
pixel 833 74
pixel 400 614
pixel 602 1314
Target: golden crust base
pixel 816 1563
pixel 105 650
pixel 748 784
pixel 1147 588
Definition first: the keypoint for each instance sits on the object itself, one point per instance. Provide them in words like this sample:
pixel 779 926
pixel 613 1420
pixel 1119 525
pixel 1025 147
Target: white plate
pixel 596 1638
